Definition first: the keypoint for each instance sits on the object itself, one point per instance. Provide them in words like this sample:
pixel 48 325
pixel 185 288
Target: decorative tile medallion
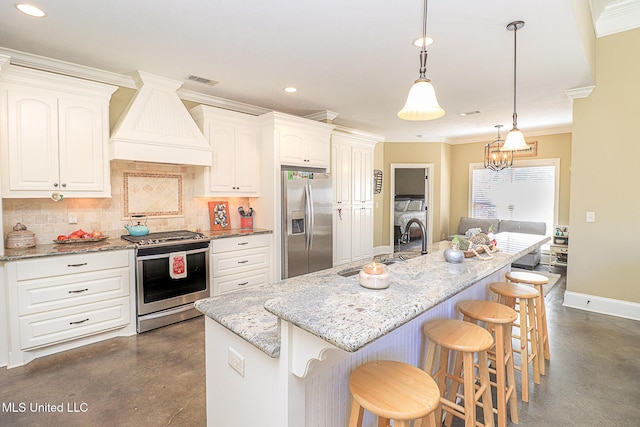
pixel 152 194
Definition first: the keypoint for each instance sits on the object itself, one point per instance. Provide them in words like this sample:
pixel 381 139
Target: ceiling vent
pixel 202 80
pixel 156 127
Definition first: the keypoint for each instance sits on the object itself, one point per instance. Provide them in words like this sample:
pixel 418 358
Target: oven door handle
pixel 168 254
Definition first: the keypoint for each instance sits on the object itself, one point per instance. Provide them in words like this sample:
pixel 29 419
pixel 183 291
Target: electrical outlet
pixel 591 217
pixel 236 361
pixel 73 219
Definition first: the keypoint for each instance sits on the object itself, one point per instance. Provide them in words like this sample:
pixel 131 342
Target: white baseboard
pixel 610 306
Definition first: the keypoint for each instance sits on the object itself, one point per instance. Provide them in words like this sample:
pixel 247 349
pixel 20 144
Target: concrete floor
pixel 157 378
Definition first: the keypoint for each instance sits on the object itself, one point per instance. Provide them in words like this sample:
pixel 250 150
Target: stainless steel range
pixel 172 272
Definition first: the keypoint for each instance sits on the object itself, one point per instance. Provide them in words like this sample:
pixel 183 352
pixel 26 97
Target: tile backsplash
pixel 47 219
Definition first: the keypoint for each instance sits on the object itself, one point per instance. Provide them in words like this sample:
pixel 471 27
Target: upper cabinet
pixel 233 138
pixel 352 167
pixel 54 135
pixel 305 145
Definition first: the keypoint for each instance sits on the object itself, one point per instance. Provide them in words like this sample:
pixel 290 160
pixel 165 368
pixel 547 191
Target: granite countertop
pixel 53 249
pixel 234 232
pixel 111 244
pixel 343 313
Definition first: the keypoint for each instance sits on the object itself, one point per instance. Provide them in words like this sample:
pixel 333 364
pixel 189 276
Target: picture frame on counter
pixel 219 215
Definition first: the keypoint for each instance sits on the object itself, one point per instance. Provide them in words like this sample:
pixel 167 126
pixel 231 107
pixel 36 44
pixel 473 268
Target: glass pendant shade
pixel 422 103
pixel 515 141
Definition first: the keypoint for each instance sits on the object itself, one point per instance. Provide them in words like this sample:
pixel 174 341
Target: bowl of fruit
pixel 81 236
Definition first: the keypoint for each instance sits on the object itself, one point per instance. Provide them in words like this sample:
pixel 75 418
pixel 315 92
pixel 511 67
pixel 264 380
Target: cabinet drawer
pixel 42 329
pixel 70 264
pixel 239 261
pixel 239 243
pixel 35 296
pixel 235 282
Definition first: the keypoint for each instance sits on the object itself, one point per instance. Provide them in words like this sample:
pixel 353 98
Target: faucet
pixel 423 230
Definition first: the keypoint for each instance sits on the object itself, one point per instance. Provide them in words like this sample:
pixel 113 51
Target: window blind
pixel 524 193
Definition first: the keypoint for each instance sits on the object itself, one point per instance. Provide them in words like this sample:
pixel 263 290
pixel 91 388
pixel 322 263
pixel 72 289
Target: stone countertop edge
pixel 234 232
pixel 341 312
pixel 55 249
pixel 111 244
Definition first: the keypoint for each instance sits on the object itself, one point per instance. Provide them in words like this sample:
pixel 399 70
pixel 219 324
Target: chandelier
pixel 495 158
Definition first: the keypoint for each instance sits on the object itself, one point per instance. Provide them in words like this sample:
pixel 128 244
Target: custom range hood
pixel 156 127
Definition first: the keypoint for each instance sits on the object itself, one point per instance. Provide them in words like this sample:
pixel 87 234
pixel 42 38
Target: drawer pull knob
pixel 76 265
pixel 79 291
pixel 243 243
pixel 243 283
pixel 79 321
pixel 243 262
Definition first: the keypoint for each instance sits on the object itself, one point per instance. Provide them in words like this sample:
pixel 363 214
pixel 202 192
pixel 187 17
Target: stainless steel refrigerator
pixel 307 241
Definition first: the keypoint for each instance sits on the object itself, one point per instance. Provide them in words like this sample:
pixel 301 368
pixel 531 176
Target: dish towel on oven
pixel 178 265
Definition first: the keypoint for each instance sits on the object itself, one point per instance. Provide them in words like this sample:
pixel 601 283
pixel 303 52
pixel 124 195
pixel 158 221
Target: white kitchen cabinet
pixel 342 231
pixel 361 232
pixel 341 173
pixel 240 262
pixel 70 299
pixel 352 174
pixel 304 147
pixel 362 175
pixel 233 137
pixel 56 135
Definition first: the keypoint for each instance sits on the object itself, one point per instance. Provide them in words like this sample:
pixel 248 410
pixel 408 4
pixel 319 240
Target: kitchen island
pixel 281 355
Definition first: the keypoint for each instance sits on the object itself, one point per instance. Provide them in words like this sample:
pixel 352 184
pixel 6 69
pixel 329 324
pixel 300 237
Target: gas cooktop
pixel 164 237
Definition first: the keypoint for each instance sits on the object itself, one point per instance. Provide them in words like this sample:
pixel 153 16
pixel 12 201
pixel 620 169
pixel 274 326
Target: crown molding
pixel 42 63
pixel 616 16
pixel 579 92
pixel 322 116
pixel 528 133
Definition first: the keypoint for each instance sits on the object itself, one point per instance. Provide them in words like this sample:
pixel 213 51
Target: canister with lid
pixel 20 238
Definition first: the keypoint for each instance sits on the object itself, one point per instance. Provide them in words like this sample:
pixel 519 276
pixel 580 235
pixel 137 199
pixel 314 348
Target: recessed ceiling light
pixel 290 89
pixel 418 42
pixel 31 10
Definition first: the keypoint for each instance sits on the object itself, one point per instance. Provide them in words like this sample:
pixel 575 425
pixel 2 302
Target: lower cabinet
pixel 240 262
pixel 352 233
pixel 341 235
pixel 361 232
pixel 72 299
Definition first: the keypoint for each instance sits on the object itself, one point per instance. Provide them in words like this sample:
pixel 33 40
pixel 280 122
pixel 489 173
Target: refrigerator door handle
pixel 311 215
pixel 308 209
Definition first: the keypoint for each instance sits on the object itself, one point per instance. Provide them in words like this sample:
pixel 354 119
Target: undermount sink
pixel 356 270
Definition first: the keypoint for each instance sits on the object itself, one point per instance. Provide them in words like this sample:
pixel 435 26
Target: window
pixel 527 191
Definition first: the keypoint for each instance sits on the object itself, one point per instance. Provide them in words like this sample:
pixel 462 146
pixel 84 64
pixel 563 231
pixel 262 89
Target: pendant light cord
pixel 423 51
pixel 515 51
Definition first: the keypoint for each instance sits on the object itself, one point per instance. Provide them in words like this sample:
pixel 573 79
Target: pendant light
pixel 422 103
pixel 515 140
pixel 494 157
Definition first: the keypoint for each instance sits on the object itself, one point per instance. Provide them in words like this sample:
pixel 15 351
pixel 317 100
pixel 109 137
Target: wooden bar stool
pixel 499 319
pixel 537 281
pixel 448 335
pixel 392 391
pixel 525 296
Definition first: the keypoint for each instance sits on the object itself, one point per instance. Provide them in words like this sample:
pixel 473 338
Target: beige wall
pixel 407 152
pixel 604 257
pixel 549 147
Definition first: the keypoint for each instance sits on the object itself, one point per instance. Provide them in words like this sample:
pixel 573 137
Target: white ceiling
pixel 351 57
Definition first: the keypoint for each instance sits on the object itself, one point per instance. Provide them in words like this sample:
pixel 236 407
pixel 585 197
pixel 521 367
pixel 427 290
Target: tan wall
pixel 408 152
pixel 549 147
pixel 604 257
